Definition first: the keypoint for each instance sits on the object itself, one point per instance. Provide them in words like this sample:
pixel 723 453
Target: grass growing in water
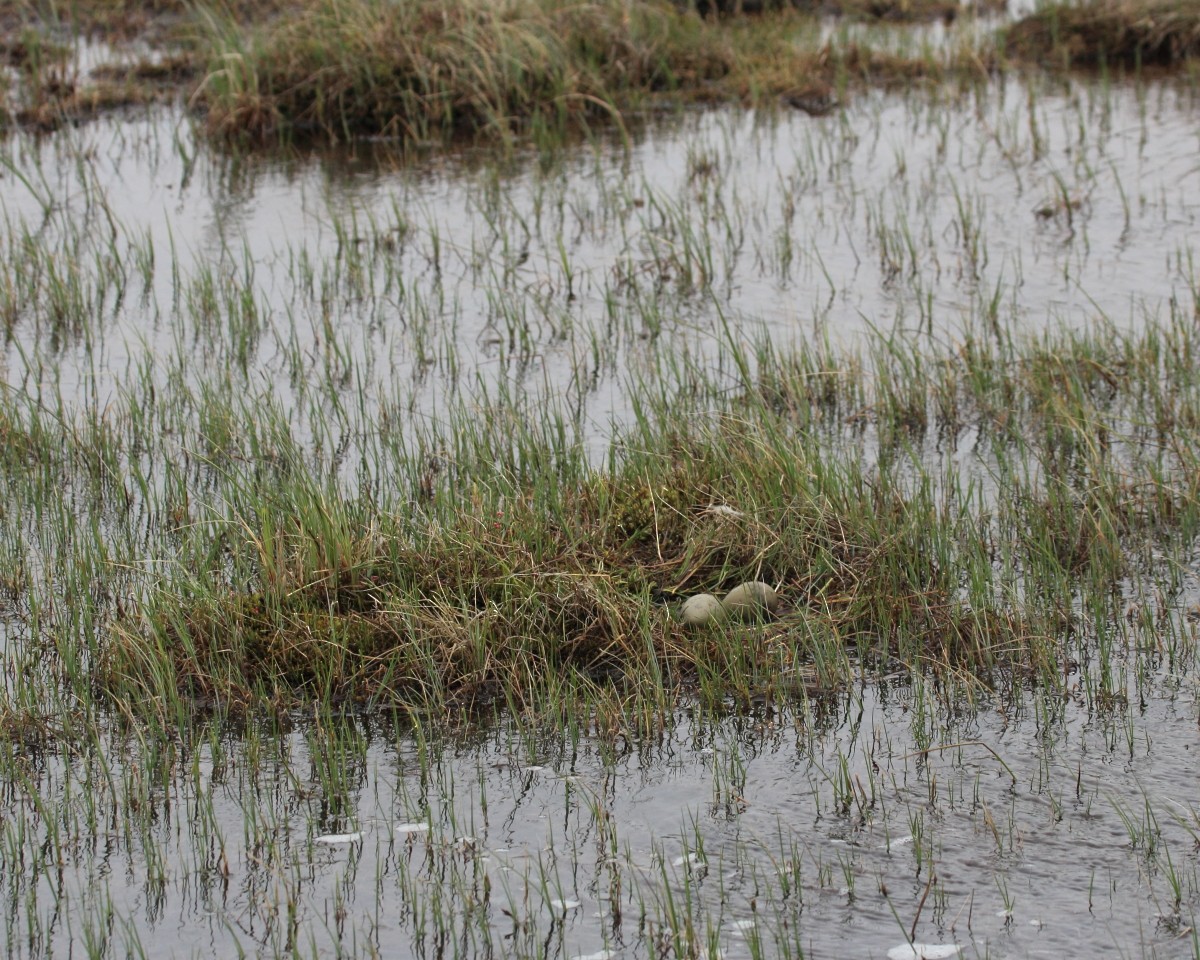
pixel 523 562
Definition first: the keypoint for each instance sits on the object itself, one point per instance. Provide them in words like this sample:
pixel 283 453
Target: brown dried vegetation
pixel 1115 32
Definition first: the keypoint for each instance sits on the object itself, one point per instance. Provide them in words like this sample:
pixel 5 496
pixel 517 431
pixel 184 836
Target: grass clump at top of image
pixel 1128 33
pixel 418 70
pixel 522 565
pixel 414 70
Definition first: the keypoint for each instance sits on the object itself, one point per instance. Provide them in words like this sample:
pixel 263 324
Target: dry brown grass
pixel 1125 32
pixel 420 70
pixel 425 69
pixel 489 609
pixel 416 69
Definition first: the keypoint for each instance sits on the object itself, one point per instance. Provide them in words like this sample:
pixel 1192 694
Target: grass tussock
pixel 526 565
pixel 412 70
pixel 421 69
pixel 337 69
pixel 1126 32
pixel 496 601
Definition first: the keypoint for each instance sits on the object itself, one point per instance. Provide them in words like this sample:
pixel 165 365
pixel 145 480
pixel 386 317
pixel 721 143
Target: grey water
pixel 408 283
pixel 838 829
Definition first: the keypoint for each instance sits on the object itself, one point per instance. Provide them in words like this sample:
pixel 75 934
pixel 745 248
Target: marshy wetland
pixel 381 380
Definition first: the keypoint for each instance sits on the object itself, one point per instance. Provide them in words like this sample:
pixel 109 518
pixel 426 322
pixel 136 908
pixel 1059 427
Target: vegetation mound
pixel 258 70
pixel 1125 32
pixel 493 603
pixel 527 570
pixel 414 70
pixel 419 70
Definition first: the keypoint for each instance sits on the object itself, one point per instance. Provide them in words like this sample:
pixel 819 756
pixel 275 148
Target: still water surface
pixel 810 834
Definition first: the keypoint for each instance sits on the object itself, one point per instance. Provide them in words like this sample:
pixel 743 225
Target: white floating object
pixel 534 768
pixel 412 828
pixel 924 951
pixel 335 839
pixel 750 599
pixel 565 904
pixel 742 927
pixel 598 955
pixel 702 608
pixel 898 842
pixel 692 860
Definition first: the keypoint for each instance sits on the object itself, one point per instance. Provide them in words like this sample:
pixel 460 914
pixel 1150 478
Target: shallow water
pixel 406 283
pixel 816 833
